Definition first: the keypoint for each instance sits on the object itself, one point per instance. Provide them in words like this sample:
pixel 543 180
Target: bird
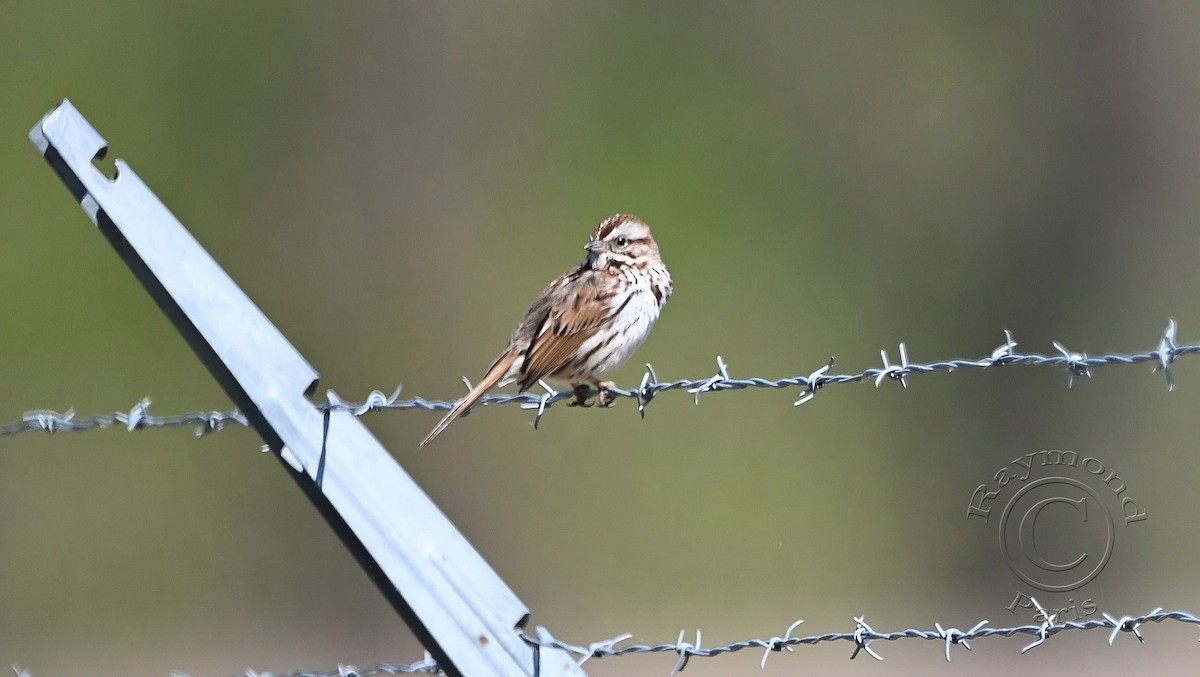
pixel 587 322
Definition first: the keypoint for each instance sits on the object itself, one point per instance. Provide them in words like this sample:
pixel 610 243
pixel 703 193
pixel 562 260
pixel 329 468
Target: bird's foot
pixel 606 399
pixel 581 396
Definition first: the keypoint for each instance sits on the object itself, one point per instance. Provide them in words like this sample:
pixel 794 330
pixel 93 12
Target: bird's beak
pixel 594 249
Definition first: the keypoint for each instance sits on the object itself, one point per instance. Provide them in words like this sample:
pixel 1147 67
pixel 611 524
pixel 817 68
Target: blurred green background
pixel 394 183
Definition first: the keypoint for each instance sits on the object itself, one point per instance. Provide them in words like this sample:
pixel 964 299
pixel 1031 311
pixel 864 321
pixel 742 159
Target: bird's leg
pixel 581 396
pixel 605 399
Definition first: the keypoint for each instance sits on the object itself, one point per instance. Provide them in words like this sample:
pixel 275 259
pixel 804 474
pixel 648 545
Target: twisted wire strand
pixel 1077 365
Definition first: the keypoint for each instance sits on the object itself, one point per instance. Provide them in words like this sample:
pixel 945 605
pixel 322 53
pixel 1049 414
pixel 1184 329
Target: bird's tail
pixel 497 372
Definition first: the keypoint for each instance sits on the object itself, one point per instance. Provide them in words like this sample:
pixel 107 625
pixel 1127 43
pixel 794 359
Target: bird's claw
pixel 581 397
pixel 605 399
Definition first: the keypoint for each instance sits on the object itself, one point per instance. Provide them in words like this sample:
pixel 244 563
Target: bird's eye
pixel 621 242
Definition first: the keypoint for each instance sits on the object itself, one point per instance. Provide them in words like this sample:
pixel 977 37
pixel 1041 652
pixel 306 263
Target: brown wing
pixel 569 318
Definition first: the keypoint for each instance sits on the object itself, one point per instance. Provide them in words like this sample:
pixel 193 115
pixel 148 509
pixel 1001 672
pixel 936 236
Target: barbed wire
pixel 1077 364
pixel 862 637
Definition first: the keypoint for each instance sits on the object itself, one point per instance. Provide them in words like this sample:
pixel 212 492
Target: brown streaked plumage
pixel 587 322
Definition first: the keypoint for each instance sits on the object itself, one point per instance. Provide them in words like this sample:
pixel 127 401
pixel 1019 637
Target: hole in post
pixel 103 165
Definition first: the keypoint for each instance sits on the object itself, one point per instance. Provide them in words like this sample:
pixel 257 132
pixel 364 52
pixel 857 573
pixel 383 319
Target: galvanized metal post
pixel 462 611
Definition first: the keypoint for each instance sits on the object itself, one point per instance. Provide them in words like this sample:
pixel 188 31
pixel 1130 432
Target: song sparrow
pixel 587 322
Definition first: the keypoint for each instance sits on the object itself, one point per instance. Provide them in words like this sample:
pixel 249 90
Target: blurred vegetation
pixel 393 183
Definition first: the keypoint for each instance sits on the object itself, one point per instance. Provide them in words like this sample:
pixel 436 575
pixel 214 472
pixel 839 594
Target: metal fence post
pixel 460 609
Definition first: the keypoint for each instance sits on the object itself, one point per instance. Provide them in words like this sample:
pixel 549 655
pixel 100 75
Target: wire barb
pixel 863 634
pixel 216 421
pixel 814 382
pixel 1128 624
pixel 136 417
pixel 779 644
pixel 1077 364
pixel 375 401
pixel 895 372
pixel 721 376
pixel 604 646
pixel 646 390
pixel 1166 353
pixel 49 420
pixel 956 636
pixel 600 649
pixel 1005 352
pixel 686 650
pixel 543 402
pixel 1045 629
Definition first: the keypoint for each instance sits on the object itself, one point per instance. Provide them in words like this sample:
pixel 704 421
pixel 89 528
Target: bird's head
pixel 621 239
